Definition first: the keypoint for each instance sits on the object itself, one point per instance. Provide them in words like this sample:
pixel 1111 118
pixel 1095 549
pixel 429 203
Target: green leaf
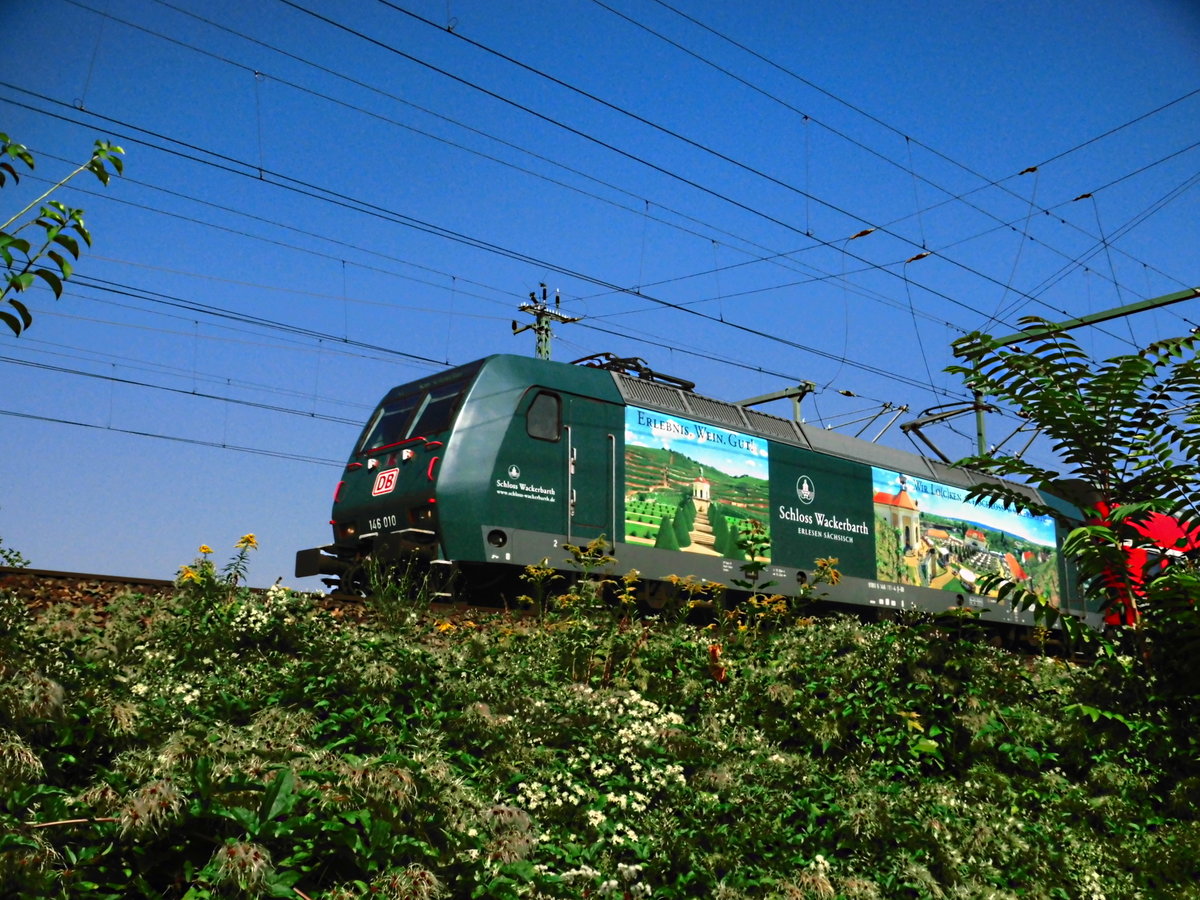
pixel 69 243
pixel 280 884
pixel 64 264
pixel 926 746
pixel 1096 714
pixel 248 819
pixel 11 322
pixel 103 156
pixel 19 151
pixel 96 167
pixel 20 282
pixel 51 279
pixel 280 797
pixel 22 309
pixel 9 243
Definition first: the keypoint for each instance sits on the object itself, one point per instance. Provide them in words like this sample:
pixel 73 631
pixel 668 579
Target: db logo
pixel 385 482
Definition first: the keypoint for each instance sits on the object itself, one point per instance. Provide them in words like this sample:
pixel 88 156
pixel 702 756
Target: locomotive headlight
pixel 421 515
pixel 497 538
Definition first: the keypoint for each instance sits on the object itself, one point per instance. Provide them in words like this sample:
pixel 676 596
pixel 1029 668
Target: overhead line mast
pixel 1056 327
pixel 979 404
pixel 543 315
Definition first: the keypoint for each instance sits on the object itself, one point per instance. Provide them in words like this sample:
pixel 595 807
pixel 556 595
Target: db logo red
pixel 385 482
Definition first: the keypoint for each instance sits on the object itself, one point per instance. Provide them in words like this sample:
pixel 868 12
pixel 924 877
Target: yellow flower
pixel 248 542
pixel 187 573
pixel 205 549
pixel 912 720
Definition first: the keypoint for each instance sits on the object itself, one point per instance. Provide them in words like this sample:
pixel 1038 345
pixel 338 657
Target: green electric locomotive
pixel 495 465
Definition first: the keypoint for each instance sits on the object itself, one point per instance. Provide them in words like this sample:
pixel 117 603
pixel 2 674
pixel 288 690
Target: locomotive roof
pixel 644 392
pixel 665 398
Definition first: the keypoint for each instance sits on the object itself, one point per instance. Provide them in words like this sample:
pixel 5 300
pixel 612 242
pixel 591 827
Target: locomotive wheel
pixel 355 581
pixel 490 586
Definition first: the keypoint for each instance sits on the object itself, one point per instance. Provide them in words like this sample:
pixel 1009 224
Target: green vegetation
pixel 644 517
pixel 666 538
pixel 889 551
pixel 669 474
pixel 1126 437
pixel 219 742
pixel 10 556
pixel 57 229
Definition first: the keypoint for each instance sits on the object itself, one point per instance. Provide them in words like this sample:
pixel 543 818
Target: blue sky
pixel 323 200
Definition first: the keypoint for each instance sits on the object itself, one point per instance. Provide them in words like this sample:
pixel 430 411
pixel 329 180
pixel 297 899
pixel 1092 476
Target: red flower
pixel 715 668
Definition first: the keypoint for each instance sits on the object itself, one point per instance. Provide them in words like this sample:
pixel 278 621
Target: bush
pixel 254 745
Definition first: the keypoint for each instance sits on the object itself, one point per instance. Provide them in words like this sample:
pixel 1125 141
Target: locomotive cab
pixel 385 506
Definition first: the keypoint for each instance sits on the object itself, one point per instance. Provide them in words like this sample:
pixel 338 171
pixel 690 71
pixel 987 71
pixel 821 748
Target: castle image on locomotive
pixel 496 465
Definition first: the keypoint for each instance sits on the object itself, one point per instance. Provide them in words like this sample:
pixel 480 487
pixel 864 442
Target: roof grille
pixel 649 393
pixel 772 426
pixel 640 392
pixel 716 411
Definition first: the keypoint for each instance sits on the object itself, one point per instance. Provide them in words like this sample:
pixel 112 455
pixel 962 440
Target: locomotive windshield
pixel 438 408
pixel 418 414
pixel 390 425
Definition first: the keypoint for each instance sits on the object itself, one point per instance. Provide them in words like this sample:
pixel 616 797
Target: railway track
pixel 42 588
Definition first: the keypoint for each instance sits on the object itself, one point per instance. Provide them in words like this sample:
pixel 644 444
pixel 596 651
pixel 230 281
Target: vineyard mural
pixel 928 534
pixel 703 489
pixel 693 487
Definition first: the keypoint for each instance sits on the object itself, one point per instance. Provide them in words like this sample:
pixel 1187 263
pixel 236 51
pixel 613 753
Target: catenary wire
pixel 775 256
pixel 325 195
pixel 113 379
pixel 986 181
pixel 640 119
pixel 219 445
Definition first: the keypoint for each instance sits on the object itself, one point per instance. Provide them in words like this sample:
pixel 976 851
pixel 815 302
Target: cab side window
pixel 543 420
